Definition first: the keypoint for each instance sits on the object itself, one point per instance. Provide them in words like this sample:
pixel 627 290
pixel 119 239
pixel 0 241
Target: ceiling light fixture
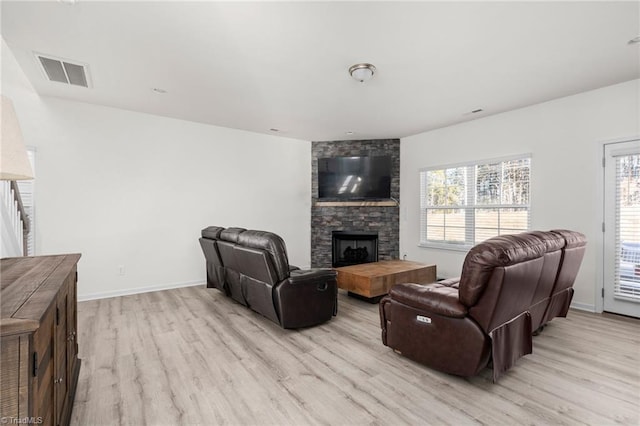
pixel 362 72
pixel 635 40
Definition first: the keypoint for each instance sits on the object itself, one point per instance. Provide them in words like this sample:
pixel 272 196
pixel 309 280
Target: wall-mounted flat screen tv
pixel 354 178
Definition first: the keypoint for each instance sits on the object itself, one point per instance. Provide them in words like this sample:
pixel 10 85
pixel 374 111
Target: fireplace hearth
pixel 352 248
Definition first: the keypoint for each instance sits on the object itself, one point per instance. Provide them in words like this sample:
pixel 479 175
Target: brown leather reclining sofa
pixel 510 287
pixel 253 269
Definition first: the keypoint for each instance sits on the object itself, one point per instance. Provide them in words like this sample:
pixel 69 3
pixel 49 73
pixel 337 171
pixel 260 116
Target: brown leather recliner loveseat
pixel 510 287
pixel 253 269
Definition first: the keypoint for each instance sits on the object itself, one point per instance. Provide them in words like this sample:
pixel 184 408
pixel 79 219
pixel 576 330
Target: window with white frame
pixel 462 205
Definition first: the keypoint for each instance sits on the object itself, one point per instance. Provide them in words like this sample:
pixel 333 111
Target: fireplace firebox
pixel 353 247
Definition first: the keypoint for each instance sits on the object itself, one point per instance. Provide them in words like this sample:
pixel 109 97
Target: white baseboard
pixel 583 307
pixel 127 292
pixel 116 293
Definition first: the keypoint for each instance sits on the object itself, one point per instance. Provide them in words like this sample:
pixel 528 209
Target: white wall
pixel 134 190
pixel 565 139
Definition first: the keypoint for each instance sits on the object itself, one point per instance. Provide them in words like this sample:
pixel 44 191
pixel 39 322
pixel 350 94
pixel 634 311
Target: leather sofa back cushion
pixel 508 293
pixel 574 239
pixel 231 234
pixel 227 254
pixel 256 264
pixel 273 245
pixel 552 240
pixel 212 232
pixel 570 266
pixel 555 243
pixel 211 251
pixel 499 251
pixel 215 272
pixel 571 260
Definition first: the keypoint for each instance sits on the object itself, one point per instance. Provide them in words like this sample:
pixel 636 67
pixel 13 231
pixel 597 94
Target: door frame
pixel 600 279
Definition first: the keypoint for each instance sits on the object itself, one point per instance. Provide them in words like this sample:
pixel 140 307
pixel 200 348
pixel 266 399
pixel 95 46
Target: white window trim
pixel 464 247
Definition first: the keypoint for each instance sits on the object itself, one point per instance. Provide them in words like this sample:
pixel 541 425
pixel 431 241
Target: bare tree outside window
pixel 464 205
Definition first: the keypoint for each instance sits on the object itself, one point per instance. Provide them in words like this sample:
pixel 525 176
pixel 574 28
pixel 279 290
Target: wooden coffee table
pixel 371 281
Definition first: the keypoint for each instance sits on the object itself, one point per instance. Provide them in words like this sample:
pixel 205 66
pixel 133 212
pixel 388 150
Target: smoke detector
pixel 64 71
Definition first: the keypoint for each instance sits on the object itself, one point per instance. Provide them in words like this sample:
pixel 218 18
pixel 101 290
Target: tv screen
pixel 354 178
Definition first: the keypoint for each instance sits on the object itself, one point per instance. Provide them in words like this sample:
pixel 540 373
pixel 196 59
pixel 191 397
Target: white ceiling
pixel 263 65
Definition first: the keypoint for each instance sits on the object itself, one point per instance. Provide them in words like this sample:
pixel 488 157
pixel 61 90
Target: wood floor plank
pixel 193 356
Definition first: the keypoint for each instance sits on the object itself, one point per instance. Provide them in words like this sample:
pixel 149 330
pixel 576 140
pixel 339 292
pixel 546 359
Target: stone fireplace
pixel 357 217
pixel 352 248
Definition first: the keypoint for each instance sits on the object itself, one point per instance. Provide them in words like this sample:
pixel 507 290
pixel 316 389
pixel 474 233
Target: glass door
pixel 622 228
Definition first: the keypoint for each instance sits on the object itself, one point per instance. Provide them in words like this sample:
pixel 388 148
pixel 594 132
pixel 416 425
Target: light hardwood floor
pixel 193 356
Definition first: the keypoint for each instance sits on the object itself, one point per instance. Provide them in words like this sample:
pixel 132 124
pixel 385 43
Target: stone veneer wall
pixel 382 219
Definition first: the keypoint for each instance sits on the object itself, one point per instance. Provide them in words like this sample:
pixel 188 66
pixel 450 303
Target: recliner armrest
pixel 435 298
pixel 305 276
pixel 308 297
pixel 450 282
pixel 293 268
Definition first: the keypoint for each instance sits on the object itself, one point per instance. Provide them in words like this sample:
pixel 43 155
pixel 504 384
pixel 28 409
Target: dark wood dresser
pixel 39 363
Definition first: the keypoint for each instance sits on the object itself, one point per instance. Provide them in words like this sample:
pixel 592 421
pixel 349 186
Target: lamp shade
pixel 362 72
pixel 14 162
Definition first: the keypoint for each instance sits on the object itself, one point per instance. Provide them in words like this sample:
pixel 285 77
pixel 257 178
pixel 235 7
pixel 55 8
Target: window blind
pixel 462 205
pixel 627 283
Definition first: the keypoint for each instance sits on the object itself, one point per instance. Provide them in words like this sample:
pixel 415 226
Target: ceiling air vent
pixel 63 71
